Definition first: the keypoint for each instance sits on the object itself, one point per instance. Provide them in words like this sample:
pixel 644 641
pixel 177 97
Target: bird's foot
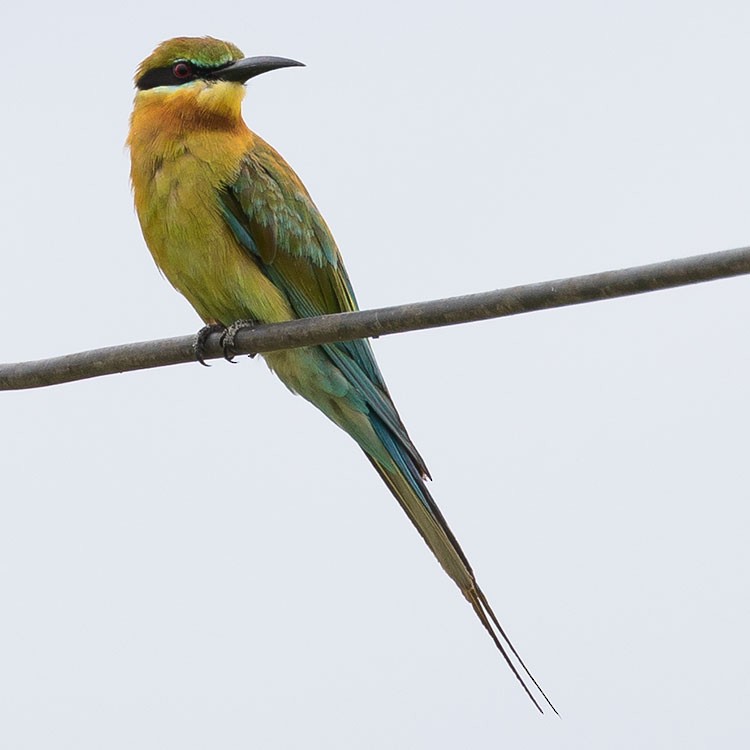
pixel 230 334
pixel 199 344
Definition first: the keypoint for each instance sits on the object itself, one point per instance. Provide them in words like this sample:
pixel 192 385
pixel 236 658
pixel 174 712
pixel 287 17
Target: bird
pixel 234 230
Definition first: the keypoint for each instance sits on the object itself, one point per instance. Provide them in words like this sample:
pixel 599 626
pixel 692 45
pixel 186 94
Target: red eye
pixel 182 70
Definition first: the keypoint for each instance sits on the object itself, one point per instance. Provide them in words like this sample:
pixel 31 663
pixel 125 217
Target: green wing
pixel 274 219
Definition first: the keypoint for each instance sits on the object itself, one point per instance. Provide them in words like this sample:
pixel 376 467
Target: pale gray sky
pixel 193 558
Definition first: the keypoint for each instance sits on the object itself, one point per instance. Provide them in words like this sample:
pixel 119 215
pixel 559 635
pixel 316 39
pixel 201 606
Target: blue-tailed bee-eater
pixel 234 230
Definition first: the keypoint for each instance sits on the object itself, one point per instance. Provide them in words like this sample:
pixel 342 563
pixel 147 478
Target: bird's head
pixel 202 76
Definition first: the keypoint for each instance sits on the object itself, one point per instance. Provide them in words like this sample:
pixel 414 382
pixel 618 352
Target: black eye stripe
pixel 160 77
pixel 166 76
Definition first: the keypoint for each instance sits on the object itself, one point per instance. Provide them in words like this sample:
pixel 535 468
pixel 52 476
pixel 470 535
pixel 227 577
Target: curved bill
pixel 249 67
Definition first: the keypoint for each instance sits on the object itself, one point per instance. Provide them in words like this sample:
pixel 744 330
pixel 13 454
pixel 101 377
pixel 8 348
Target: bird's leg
pixel 199 344
pixel 227 339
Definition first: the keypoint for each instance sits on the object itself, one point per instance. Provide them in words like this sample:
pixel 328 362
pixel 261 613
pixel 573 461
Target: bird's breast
pixel 177 182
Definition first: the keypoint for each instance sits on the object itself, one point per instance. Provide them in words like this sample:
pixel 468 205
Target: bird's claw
pixel 230 334
pixel 201 338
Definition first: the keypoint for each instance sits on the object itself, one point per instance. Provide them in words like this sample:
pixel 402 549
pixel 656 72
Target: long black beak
pixel 249 67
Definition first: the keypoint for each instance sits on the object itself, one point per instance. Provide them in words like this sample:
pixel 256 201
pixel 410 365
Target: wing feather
pixel 274 219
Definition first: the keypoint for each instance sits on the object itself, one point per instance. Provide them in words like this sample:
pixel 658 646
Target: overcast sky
pixel 193 558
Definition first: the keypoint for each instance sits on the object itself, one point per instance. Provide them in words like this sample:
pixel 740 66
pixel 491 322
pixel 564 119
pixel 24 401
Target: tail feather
pixel 342 391
pixel 414 497
pixel 482 608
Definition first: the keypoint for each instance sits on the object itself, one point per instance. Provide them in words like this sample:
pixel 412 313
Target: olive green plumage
pixel 205 52
pixel 234 230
